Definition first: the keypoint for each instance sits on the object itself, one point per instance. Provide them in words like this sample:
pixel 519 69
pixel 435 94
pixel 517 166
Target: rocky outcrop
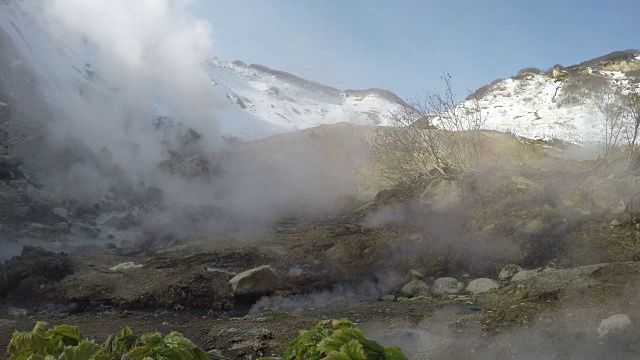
pixel 615 324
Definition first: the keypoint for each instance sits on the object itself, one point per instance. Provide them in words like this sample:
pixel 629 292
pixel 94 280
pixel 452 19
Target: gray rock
pixel 481 286
pixel 60 213
pixel 258 281
pixel 415 287
pixel 615 222
pixel 414 274
pixel 153 195
pixel 524 275
pixel 123 222
pixel 615 324
pixel 37 229
pixel 84 230
pixel 446 286
pixel 62 228
pixel 388 298
pixel 16 312
pixel 508 271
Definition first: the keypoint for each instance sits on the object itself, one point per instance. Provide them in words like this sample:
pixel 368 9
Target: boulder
pixel 33 262
pixel 446 286
pixel 615 324
pixel 84 230
pixel 258 281
pixel 60 213
pixel 481 285
pixel 508 271
pixel 123 222
pixel 524 275
pixel 414 274
pixel 153 195
pixel 415 287
pixel 442 195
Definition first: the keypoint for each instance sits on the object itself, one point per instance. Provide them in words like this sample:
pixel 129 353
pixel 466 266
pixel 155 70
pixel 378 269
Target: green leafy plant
pixel 338 340
pixel 66 342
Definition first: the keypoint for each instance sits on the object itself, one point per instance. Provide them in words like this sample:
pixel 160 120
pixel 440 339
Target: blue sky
pixel 404 46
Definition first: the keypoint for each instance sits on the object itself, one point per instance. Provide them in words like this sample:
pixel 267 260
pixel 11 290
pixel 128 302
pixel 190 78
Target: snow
pixel 530 108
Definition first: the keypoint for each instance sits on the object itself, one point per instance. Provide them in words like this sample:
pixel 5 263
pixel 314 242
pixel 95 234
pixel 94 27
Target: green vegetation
pixel 66 342
pixel 338 340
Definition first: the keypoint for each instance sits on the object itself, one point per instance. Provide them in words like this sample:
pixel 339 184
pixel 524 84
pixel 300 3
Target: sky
pixel 405 46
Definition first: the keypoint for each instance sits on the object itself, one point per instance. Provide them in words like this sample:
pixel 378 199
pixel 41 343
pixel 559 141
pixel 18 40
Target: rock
pixel 60 213
pixel 508 271
pixel 389 298
pixel 84 230
pixel 258 281
pixel 446 286
pixel 615 222
pixel 62 228
pixel 16 312
pixel 35 263
pixel 481 286
pixel 524 275
pixel 153 195
pixel 615 324
pixel 126 266
pixel 415 287
pixel 85 209
pixel 414 274
pixel 442 195
pixel 523 183
pixel 38 229
pixel 123 222
pixel 75 308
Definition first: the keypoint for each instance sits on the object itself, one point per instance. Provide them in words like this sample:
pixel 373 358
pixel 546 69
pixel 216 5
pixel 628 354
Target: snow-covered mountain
pixel 560 103
pixel 287 102
pixel 254 101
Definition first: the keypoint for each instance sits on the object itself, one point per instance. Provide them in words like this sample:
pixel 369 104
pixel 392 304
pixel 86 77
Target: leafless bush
pixel 431 138
pixel 611 111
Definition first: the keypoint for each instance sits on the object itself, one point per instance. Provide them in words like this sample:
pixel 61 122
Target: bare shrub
pixel 432 138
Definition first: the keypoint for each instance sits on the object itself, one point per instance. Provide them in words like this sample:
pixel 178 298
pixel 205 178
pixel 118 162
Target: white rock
pixel 258 281
pixel 446 286
pixel 481 285
pixel 126 266
pixel 615 323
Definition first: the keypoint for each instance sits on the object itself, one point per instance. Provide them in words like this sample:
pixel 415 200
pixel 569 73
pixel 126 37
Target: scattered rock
pixel 615 222
pixel 84 230
pixel 446 286
pixel 258 281
pixel 415 287
pixel 126 266
pixel 61 214
pixel 16 312
pixel 524 275
pixel 414 274
pixel 508 271
pixel 481 285
pixel 615 324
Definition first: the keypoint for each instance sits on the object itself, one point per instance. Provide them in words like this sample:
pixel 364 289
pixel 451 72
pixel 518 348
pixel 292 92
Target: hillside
pixel 557 104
